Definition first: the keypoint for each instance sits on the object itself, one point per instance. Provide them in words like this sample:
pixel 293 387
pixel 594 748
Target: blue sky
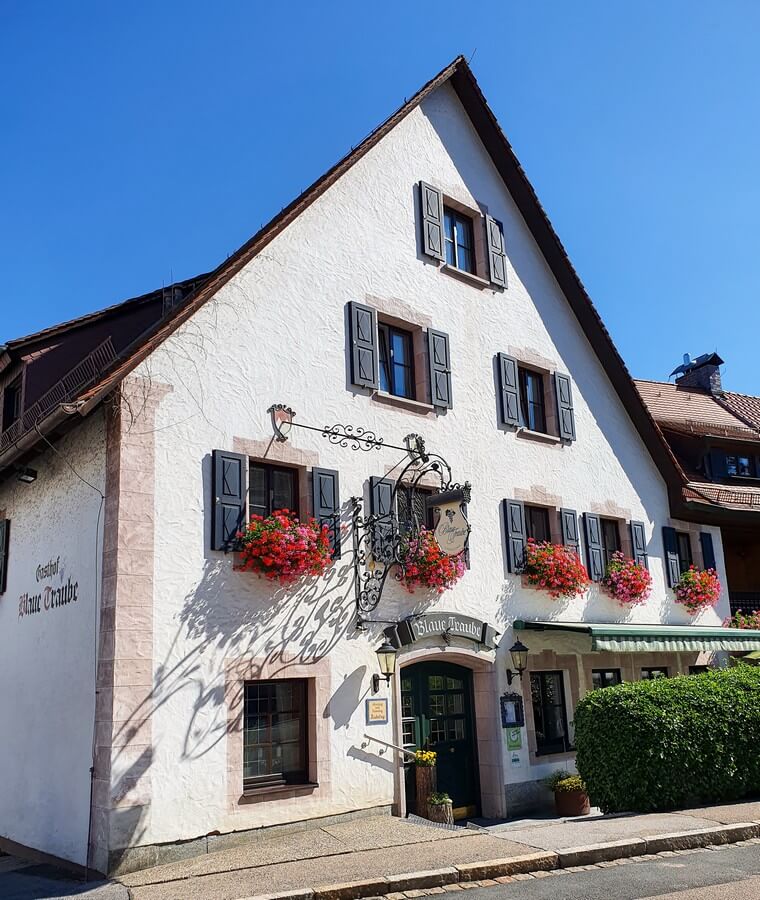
pixel 146 141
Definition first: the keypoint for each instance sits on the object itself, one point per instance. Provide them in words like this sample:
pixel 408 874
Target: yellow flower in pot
pixel 570 796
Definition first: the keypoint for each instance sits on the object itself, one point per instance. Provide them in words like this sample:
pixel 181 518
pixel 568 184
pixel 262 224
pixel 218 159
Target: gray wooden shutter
pixel 565 414
pixel 670 547
pixel 708 551
pixel 639 544
pixel 431 207
pixel 718 464
pixel 364 357
pixel 326 495
pixel 509 390
pixel 229 481
pixel 381 504
pixel 5 536
pixel 440 369
pixel 594 554
pixel 568 520
pixel 497 258
pixel 514 528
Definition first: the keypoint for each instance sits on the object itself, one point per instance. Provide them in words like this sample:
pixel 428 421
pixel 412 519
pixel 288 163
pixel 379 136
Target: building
pixel 715 435
pixel 417 288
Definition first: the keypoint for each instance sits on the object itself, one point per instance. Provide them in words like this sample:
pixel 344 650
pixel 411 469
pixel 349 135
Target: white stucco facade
pixel 169 767
pixel 48 639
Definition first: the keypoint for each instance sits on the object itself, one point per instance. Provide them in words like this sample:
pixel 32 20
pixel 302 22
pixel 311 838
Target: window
pixel 458 237
pixel 275 736
pixel 411 507
pixel 396 361
pixel 532 406
pixel 549 715
pixel 11 403
pixel 603 678
pixel 271 488
pixel 684 550
pixel 698 670
pixel 739 466
pixel 610 539
pixel 649 674
pixel 537 523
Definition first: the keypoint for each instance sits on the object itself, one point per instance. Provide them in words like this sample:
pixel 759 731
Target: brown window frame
pixel 685 560
pixel 546 747
pixel 294 776
pixel 606 528
pixel 270 507
pixel 542 512
pixel 528 409
pixel 467 222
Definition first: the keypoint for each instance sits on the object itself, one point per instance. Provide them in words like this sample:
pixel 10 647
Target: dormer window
pixel 739 466
pixel 11 403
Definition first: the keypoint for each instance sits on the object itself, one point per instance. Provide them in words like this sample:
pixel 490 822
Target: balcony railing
pixel 84 374
pixel 744 601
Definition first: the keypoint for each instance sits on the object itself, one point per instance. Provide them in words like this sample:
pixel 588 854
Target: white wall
pixel 47 658
pixel 276 333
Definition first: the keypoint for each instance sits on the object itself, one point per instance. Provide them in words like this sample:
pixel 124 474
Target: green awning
pixel 648 638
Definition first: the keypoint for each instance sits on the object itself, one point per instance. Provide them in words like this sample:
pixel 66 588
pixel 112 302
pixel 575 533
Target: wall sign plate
pixel 376 711
pixel 512 712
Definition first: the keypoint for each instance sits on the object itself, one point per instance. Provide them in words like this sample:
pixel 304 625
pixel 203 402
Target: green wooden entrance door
pixel 437 714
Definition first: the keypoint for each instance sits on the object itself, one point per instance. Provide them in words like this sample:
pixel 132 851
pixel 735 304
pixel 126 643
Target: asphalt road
pixel 731 873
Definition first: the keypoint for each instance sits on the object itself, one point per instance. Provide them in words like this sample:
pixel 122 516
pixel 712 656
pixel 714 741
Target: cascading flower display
pixel 425 565
pixel 739 619
pixel 698 589
pixel 627 581
pixel 282 548
pixel 554 568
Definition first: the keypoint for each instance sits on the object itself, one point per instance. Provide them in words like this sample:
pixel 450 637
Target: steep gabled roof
pixel 744 406
pixel 460 77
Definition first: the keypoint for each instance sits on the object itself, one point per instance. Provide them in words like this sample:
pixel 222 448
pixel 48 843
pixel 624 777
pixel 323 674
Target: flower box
pixel 554 568
pixel 698 589
pixel 627 581
pixel 282 548
pixel 425 565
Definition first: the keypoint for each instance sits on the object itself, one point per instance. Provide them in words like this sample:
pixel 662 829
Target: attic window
pixel 11 403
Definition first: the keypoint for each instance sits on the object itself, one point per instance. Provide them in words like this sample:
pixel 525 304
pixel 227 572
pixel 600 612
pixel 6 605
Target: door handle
pixel 452 750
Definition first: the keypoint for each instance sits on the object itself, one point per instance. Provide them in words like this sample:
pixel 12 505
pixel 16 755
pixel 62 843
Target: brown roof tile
pixel 691 410
pixel 743 405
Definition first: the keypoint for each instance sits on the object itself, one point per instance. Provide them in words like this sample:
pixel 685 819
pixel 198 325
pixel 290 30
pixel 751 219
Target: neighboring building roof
pixel 744 406
pixel 459 75
pixel 691 410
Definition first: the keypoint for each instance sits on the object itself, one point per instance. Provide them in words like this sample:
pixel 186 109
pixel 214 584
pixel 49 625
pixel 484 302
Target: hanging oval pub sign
pixel 452 530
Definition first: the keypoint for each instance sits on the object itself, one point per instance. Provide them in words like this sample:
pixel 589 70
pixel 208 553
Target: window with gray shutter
pixel 594 547
pixel 672 561
pixel 497 259
pixel 568 520
pixel 708 551
pixel 363 335
pixel 381 505
pixel 229 485
pixel 565 413
pixel 431 209
pixel 5 536
pixel 509 390
pixel 440 369
pixel 639 544
pixel 326 498
pixel 514 529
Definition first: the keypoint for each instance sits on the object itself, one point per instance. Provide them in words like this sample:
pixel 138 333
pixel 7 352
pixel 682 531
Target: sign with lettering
pixel 446 625
pixel 60 591
pixel 512 712
pixel 452 530
pixel 377 711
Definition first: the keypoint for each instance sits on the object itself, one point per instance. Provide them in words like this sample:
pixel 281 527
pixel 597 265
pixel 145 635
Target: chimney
pixel 702 372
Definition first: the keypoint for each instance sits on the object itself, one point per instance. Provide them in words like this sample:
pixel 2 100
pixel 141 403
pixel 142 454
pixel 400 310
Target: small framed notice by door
pixel 377 711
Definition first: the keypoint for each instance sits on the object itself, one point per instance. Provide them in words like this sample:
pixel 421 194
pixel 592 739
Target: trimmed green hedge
pixel 672 742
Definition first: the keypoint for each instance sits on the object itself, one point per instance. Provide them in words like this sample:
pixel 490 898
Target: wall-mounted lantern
pixel 386 658
pixel 519 653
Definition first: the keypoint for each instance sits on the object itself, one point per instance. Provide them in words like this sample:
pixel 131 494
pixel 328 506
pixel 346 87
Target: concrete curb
pixel 523 865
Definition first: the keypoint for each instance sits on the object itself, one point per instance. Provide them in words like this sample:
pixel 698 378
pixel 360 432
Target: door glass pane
pixel 455 704
pixel 407 734
pixel 435 682
pixel 437 733
pixel 454 684
pixel 455 729
pixel 407 705
pixel 437 705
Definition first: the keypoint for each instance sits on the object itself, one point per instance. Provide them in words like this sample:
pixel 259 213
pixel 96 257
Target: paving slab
pixel 729 813
pixel 580 832
pixel 386 831
pixel 348 867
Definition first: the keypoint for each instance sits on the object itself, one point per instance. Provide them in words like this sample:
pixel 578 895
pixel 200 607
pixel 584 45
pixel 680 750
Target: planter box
pixel 571 803
pixel 425 781
pixel 441 812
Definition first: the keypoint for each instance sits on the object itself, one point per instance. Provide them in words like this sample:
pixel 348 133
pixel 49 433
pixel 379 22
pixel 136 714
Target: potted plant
pixel 627 581
pixel 282 548
pixel 425 778
pixel 424 564
pixel 698 589
pixel 554 568
pixel 570 797
pixel 440 808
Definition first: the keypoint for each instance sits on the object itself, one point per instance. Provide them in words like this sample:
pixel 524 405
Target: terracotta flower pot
pixel 571 803
pixel 441 812
pixel 425 778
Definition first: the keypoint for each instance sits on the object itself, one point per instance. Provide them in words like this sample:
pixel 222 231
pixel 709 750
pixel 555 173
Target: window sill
pixel 543 754
pixel 469 277
pixel 403 402
pixel 539 436
pixel 278 791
